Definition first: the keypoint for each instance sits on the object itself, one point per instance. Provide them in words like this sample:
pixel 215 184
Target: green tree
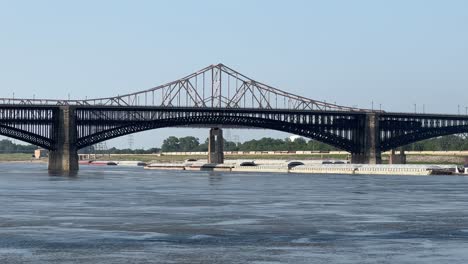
pixel 230 146
pixel 7 146
pixel 170 144
pixel 188 143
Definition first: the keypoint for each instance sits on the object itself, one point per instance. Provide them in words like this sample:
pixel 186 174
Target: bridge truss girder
pixel 336 129
pixel 398 130
pixel 38 124
pixel 216 86
pixel 34 125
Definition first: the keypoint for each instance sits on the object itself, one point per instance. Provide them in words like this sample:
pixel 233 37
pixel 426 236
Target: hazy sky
pixel 395 53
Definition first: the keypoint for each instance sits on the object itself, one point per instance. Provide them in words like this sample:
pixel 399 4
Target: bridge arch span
pixel 316 132
pixel 25 136
pixel 34 125
pixel 420 135
pixel 400 129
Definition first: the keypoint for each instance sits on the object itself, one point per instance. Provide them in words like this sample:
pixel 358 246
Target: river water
pixel 129 215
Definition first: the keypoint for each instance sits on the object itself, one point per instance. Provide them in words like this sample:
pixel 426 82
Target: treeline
pixel 272 144
pixel 187 144
pixel 446 143
pixel 7 146
pixel 114 150
pixel 184 144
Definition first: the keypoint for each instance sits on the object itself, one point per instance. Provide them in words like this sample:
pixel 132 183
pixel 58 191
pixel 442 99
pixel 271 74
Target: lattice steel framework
pixel 216 86
pixel 335 128
pixel 399 129
pixel 35 125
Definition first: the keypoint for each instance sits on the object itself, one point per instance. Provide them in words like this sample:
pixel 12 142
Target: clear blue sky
pixel 395 53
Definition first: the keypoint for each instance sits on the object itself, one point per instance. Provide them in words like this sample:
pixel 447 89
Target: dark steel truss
pixel 216 86
pixel 342 129
pixel 34 125
pixel 402 129
pixel 335 128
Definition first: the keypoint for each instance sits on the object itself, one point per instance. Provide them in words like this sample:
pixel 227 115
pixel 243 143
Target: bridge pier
pixel 216 146
pixel 370 139
pixel 397 159
pixel 64 157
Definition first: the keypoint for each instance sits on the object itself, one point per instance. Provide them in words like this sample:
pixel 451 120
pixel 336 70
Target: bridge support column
pixel 370 140
pixel 216 146
pixel 64 158
pixel 397 159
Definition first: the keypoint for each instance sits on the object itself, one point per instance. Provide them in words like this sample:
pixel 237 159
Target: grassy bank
pixel 15 157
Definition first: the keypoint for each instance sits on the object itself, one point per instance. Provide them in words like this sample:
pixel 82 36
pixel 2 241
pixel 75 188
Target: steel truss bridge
pixel 216 96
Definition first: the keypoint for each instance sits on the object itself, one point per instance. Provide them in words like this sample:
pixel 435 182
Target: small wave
pixel 237 222
pixel 302 240
pixel 200 237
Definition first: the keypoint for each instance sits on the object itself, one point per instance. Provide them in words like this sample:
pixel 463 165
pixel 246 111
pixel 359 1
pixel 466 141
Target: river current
pixel 130 215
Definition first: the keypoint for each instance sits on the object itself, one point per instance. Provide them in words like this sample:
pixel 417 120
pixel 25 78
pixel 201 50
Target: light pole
pixel 415 108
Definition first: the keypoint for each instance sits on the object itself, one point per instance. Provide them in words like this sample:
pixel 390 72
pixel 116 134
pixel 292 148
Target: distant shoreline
pixel 25 161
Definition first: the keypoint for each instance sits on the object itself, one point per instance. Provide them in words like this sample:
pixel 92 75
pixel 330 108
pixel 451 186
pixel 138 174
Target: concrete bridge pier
pixel 397 159
pixel 64 157
pixel 216 146
pixel 370 138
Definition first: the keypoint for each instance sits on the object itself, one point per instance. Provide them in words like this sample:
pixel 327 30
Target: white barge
pixel 131 163
pixel 313 168
pixel 165 166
